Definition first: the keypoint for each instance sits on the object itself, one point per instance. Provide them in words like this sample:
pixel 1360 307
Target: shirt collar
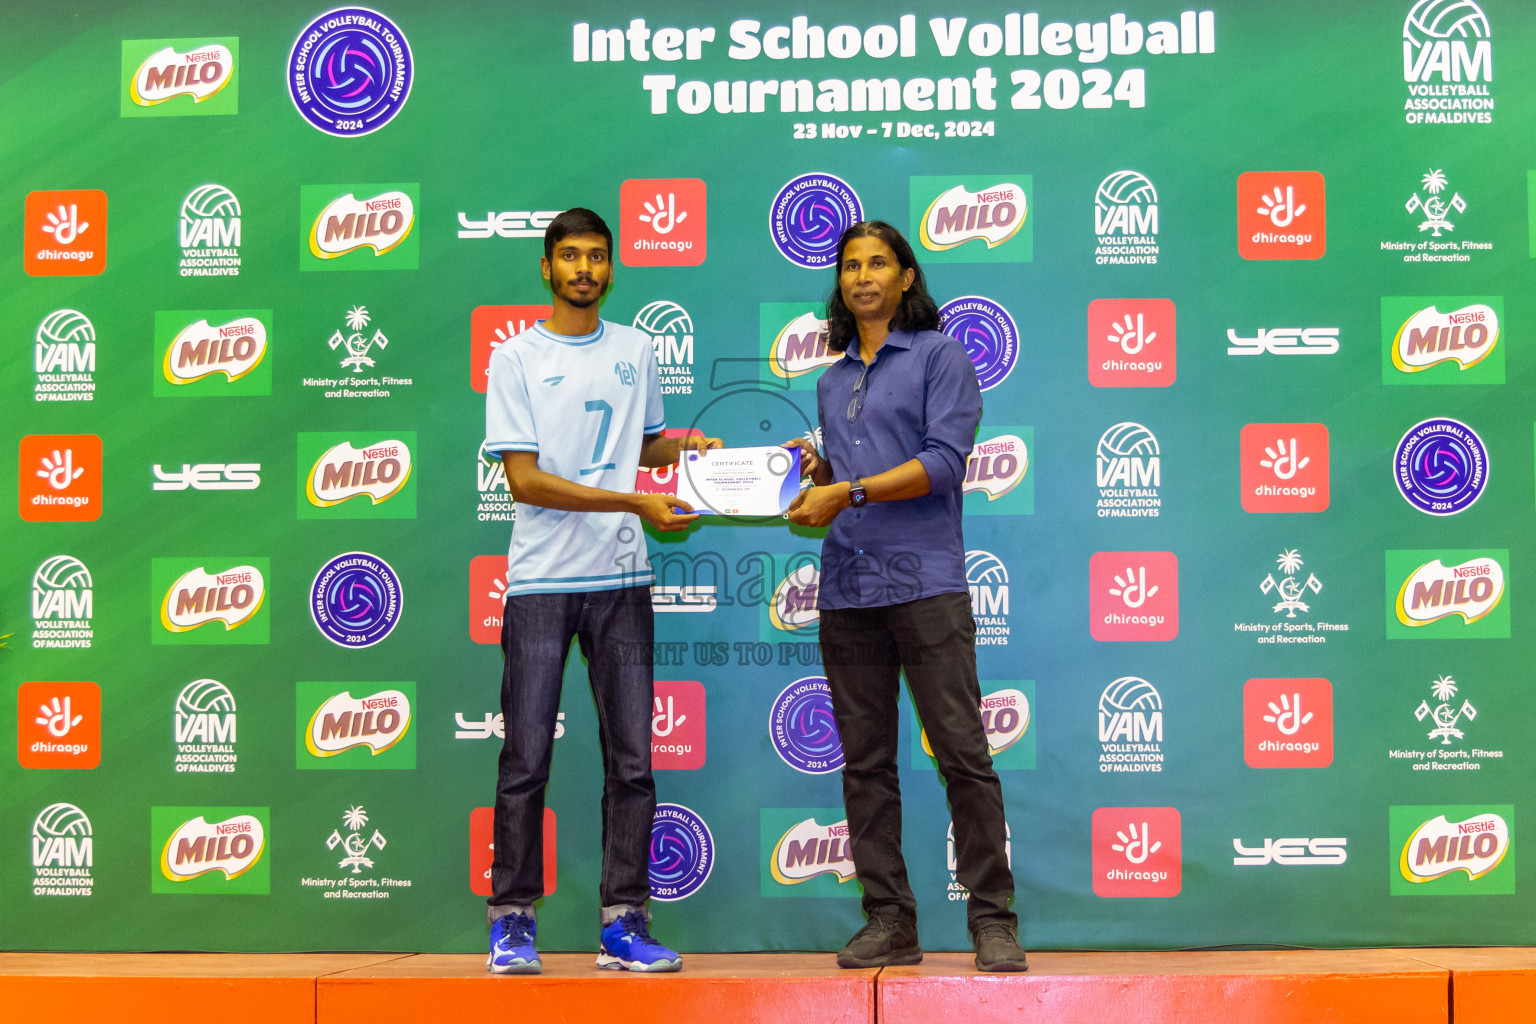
pixel 896 339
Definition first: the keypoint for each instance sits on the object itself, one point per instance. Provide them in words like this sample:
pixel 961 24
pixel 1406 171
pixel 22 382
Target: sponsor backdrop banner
pixel 1247 288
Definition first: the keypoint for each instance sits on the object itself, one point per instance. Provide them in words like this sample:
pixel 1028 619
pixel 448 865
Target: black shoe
pixel 998 949
pixel 882 942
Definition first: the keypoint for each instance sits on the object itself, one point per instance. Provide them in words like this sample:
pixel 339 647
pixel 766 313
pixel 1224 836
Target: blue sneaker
pixel 512 949
pixel 627 946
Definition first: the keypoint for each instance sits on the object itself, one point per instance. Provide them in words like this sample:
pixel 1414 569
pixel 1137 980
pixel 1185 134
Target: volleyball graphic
pixel 61 820
pixel 985 567
pixel 663 318
pixel 60 572
pixel 65 325
pixel 1445 19
pixel 1129 693
pixel 211 201
pixel 1126 439
pixel 205 696
pixel 1125 187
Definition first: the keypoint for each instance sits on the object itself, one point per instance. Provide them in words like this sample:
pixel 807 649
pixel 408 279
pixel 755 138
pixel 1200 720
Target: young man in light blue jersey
pixel 572 410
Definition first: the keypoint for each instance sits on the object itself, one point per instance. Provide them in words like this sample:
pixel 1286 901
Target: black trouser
pixel 864 651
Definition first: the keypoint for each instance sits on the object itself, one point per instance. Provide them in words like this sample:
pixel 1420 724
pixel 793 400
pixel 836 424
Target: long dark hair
pixel 917 311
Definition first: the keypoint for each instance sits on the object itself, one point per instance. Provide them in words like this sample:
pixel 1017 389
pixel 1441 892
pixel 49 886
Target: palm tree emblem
pixel 353 843
pixel 1290 589
pixel 1445 716
pixel 1436 209
pixel 357 343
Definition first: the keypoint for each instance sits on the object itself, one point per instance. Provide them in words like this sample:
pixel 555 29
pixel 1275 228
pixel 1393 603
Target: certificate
pixel 740 481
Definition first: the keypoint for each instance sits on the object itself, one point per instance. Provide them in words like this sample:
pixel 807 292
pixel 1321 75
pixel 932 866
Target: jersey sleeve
pixel 655 414
pixel 508 415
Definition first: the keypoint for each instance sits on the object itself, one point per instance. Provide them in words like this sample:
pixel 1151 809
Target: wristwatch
pixel 856 496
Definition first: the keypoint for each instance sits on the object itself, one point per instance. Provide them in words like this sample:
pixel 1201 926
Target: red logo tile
pixel 489 327
pixel 1281 215
pixel 1133 595
pixel 678 725
pixel 59 478
pixel 1284 467
pixel 1131 343
pixel 482 850
pixel 487 597
pixel 1288 723
pixel 58 725
pixel 662 222
pixel 65 233
pixel 1137 852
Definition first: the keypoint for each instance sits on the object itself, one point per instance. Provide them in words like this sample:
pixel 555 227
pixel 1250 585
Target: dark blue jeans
pixel 616 632
pixel 864 651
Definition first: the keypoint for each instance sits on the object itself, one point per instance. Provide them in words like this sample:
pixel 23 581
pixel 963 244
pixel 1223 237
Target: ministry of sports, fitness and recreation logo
pixel 1130 726
pixel 205 728
pixel 1432 209
pixel 209 352
pixel 1137 852
pixel 350 72
pixel 670 329
pixel 1442 339
pixel 178 77
pixel 338 730
pixel 233 595
pixel 61 604
pixel 1125 219
pixel 1452 851
pixel 809 215
pixel 989 335
pixel 355 843
pixel 682 853
pixel 986 578
pixel 1447 594
pixel 1441 466
pixel 357 476
pixel 1290 593
pixel 210 850
pixel 356 600
pixel 63 852
pixel 1447 63
pixel 804 729
pixel 950 212
pixel 1444 718
pixel 1129 471
pixel 64 357
pixel 209 233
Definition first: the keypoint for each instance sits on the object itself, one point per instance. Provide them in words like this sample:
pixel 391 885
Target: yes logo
pixel 210 850
pixel 1288 723
pixel 359 227
pixel 678 724
pixel 207 352
pixel 193 599
pixel 357 476
pixel 663 222
pixel 1281 215
pixel 1133 595
pixel 1137 852
pixel 59 478
pixel 490 327
pixel 1284 467
pixel 1131 343
pixel 178 77
pixel 58 725
pixel 339 730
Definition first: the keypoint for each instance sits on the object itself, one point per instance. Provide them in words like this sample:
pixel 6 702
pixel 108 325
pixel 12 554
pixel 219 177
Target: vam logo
pixel 204 727
pixel 359 227
pixel 1133 595
pixel 343 731
pixel 178 77
pixel 958 893
pixel 986 577
pixel 63 852
pixel 1472 590
pixel 663 222
pixel 65 358
pixel 1130 726
pixel 223 855
pixel 62 604
pixel 1424 345
pixel 1132 343
pixel 197 597
pixel 1129 472
pixel 59 478
pixel 949 212
pixel 1137 852
pixel 1125 219
pixel 210 233
pixel 1447 63
pixel 213 352
pixel 670 329
pixel 495 504
pixel 1452 851
pixel 491 327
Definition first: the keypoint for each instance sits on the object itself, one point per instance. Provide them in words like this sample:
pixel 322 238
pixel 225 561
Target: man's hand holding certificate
pixel 739 481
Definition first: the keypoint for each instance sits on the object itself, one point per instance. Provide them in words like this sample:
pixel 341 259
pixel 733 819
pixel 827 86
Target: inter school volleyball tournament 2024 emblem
pixel 350 72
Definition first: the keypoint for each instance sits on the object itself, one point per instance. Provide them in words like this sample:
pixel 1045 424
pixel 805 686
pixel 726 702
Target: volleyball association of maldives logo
pixel 989 335
pixel 64 356
pixel 350 72
pixel 356 599
pixel 1441 466
pixel 682 853
pixel 804 729
pixel 809 215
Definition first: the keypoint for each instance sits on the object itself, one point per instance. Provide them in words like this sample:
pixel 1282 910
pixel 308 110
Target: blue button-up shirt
pixel 919 400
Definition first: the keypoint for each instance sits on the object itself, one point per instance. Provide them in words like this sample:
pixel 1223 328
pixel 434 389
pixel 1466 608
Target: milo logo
pixel 348 223
pixel 377 721
pixel 198 847
pixel 344 472
pixel 199 597
pixel 202 349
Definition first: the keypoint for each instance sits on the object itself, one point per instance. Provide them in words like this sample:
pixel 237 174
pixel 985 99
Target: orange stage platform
pixel 1408 986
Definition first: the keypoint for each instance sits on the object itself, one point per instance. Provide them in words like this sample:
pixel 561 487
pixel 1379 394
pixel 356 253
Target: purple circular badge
pixel 1441 466
pixel 989 335
pixel 803 728
pixel 682 853
pixel 356 599
pixel 350 72
pixel 809 215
